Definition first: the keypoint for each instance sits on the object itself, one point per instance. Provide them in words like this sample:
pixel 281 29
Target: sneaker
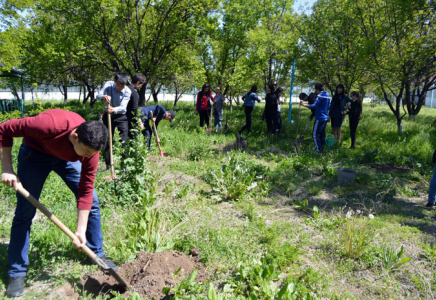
pixel 430 205
pixel 15 287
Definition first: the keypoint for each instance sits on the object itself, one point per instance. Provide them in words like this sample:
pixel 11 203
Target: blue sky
pixel 301 5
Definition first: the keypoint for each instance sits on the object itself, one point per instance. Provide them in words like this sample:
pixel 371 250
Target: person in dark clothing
pixel 159 113
pixel 321 116
pixel 270 102
pixel 138 81
pixel 310 99
pixel 354 114
pixel 249 101
pixel 204 106
pixel 116 96
pixel 277 121
pixel 336 111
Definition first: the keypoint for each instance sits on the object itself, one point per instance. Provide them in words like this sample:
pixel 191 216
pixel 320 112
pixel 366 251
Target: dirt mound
pixel 147 275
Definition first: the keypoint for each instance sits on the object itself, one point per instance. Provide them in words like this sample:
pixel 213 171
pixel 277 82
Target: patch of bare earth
pixel 147 275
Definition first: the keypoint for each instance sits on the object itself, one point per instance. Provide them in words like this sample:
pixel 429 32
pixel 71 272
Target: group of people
pixel 122 105
pixel 335 111
pixel 206 103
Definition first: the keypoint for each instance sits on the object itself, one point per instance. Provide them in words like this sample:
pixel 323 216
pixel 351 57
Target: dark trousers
pixel 353 127
pixel 269 121
pixel 119 122
pixel 248 112
pixel 33 169
pixel 319 134
pixel 277 123
pixel 204 117
pixel 147 132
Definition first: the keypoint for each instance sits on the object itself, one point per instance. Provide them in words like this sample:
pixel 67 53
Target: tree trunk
pixel 400 126
pixel 142 101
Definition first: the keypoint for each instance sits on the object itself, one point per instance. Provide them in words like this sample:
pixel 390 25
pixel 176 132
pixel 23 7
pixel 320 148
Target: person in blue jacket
pixel 321 107
pixel 159 113
pixel 249 101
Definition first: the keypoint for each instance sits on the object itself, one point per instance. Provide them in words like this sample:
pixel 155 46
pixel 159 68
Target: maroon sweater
pixel 49 133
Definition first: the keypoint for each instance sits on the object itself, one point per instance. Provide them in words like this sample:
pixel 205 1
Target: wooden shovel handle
pixel 111 155
pixel 155 133
pixel 45 211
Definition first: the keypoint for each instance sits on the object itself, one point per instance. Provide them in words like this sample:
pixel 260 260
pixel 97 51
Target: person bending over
pixel 159 113
pixel 59 141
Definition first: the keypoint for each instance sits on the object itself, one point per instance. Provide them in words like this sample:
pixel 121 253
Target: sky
pixel 301 5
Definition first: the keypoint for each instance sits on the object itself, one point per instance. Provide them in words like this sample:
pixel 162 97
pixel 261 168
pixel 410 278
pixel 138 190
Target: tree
pixel 332 45
pixel 400 39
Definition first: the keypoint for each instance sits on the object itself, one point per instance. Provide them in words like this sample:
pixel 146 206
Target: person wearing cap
pixel 159 113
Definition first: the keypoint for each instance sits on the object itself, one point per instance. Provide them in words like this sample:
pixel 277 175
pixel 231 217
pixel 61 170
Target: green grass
pixel 252 215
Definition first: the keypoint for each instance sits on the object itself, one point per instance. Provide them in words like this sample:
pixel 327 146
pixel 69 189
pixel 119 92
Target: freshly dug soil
pixel 147 275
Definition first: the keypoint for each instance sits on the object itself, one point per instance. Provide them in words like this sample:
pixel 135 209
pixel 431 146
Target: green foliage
pixel 392 258
pixel 236 177
pixel 144 231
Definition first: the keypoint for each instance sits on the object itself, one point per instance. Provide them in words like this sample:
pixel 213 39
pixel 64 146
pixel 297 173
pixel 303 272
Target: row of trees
pixel 386 47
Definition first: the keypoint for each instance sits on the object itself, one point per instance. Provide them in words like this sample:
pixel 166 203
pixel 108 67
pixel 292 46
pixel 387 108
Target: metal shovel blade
pixel 111 271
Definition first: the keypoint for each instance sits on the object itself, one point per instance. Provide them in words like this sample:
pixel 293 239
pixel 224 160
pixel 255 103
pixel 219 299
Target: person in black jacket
pixel 270 107
pixel 337 110
pixel 354 114
pixel 138 81
pixel 277 117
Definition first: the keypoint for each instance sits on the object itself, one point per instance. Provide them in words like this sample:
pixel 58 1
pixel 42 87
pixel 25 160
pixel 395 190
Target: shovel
pixel 301 139
pixel 72 236
pixel 163 154
pixel 226 127
pixel 111 155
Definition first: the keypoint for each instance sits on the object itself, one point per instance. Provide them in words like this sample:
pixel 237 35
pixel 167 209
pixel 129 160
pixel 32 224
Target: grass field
pixel 270 223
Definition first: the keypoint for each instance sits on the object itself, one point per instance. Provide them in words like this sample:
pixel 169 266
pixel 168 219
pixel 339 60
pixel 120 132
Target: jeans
pixel 217 120
pixel 33 169
pixel 432 191
pixel 147 132
pixel 319 134
pixel 248 112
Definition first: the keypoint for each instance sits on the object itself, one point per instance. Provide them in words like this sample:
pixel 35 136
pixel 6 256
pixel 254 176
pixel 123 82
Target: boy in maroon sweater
pixel 60 141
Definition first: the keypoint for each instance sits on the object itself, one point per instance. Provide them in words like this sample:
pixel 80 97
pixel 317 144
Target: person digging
pixel 59 141
pixel 158 113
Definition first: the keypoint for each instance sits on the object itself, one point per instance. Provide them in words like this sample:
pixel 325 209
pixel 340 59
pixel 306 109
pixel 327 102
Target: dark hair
pixel 340 86
pixel 138 78
pixel 206 85
pixel 302 96
pixel 253 89
pixel 93 134
pixel 319 87
pixel 278 91
pixel 357 94
pixel 271 86
pixel 121 78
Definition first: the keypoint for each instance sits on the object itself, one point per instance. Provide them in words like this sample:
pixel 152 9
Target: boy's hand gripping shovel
pixel 71 235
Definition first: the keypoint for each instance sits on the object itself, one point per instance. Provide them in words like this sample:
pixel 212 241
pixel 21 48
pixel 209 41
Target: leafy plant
pixel 234 178
pixel 392 258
